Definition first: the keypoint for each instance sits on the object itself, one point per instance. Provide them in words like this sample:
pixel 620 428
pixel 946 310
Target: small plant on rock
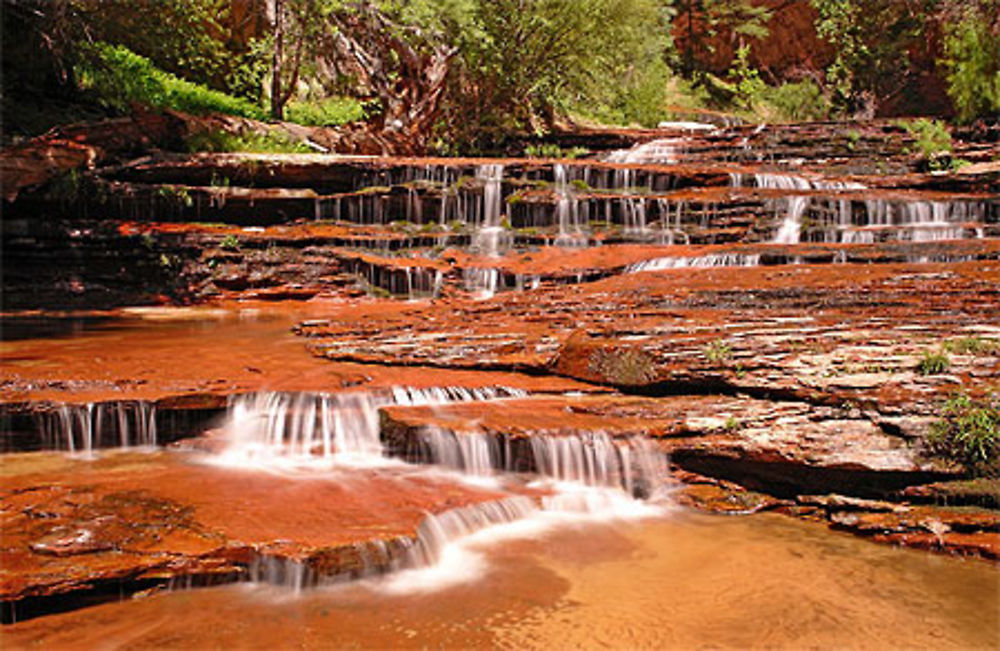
pixel 968 432
pixel 622 367
pixel 933 363
pixel 230 242
pixel 718 351
pixel 972 346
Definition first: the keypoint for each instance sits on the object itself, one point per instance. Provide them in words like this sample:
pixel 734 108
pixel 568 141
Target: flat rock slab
pixel 71 523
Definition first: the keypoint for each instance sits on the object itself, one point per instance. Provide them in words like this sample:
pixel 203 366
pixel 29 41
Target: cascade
pixel 491 237
pixel 567 211
pixel 795 206
pixel 591 459
pixel 655 152
pixel 711 260
pixel 270 425
pixel 87 427
pixel 481 281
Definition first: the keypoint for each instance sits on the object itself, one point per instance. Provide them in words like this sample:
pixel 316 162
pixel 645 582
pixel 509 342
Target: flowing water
pixel 678 582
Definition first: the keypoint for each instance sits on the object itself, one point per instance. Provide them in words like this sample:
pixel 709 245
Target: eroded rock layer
pixel 781 312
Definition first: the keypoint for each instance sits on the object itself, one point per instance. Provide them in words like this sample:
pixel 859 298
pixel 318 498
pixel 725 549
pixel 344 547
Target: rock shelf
pixel 755 304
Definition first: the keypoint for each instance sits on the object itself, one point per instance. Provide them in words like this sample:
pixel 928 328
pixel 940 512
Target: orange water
pixel 683 581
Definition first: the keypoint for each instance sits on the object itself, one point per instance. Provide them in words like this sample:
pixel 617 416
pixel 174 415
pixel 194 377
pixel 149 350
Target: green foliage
pixel 522 63
pixel 799 101
pixel 329 112
pixel 968 432
pixel 230 242
pixel 972 346
pixel 972 60
pixel 120 78
pixel 933 363
pixel 931 139
pixel 748 85
pixel 718 351
pixel 872 40
pixel 622 367
pixel 177 194
pixel 272 142
pixel 552 150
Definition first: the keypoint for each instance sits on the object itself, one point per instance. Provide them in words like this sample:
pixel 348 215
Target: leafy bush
pixel 932 140
pixel 120 77
pixel 972 58
pixel 748 84
pixel 968 432
pixel 230 242
pixel 799 101
pixel 933 363
pixel 624 367
pixel 329 112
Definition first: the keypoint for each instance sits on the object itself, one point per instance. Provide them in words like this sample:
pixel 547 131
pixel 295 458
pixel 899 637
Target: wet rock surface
pixel 781 311
pixel 135 520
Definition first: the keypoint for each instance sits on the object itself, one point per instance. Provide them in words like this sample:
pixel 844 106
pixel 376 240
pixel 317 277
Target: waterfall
pixel 581 477
pixel 90 426
pixel 342 427
pixel 711 260
pixel 790 230
pixel 655 152
pixel 567 211
pixel 491 238
pixel 481 281
pixel 795 206
pixel 591 459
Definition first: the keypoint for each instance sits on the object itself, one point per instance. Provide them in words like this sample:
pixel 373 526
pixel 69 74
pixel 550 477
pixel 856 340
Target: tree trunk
pixel 277 63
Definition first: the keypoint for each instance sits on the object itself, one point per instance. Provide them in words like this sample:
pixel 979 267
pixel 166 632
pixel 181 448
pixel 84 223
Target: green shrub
pixel 931 139
pixel 968 432
pixel 933 363
pixel 622 367
pixel 972 346
pixel 230 242
pixel 972 59
pixel 746 79
pixel 329 112
pixel 120 78
pixel 552 150
pixel 718 351
pixel 799 101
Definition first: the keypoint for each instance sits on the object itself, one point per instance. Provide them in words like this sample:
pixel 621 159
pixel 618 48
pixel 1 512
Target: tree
pixel 702 20
pixel 971 59
pixel 872 39
pixel 301 31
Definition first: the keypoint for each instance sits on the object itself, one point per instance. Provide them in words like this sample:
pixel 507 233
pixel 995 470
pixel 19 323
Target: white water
pixel 711 260
pixel 483 282
pixel 581 478
pixel 654 152
pixel 87 427
pixel 567 211
pixel 491 238
pixel 292 429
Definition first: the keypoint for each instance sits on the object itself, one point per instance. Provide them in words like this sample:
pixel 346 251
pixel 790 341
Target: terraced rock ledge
pixel 779 314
